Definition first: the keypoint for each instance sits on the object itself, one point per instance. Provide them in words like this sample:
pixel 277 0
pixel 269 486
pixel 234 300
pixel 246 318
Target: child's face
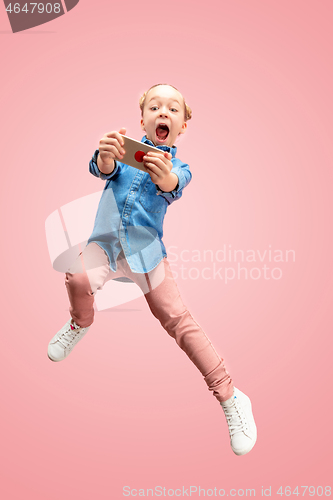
pixel 163 115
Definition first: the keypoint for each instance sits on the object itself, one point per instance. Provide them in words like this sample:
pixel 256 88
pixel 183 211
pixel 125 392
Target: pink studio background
pixel 128 408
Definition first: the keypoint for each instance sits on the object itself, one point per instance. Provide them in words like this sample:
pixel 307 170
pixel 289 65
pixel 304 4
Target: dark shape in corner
pixel 70 4
pixel 35 14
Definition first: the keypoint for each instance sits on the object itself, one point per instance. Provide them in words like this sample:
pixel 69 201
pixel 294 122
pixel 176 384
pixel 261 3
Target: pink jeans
pixel 91 270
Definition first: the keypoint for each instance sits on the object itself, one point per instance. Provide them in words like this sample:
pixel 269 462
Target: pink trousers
pixel 91 270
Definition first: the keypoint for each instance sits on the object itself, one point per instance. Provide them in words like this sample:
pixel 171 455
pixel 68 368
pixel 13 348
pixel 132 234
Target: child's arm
pixel 159 167
pixel 105 168
pixel 110 147
pixel 169 176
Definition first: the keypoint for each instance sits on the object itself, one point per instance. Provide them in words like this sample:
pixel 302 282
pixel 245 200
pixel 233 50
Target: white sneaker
pixel 242 428
pixel 63 342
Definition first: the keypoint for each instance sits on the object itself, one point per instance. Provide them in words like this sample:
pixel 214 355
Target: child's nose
pixel 164 112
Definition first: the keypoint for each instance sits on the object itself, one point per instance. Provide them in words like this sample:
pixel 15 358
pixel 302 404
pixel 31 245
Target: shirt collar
pixel 172 150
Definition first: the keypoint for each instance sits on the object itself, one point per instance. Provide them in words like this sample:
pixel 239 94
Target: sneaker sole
pixel 239 454
pixel 55 360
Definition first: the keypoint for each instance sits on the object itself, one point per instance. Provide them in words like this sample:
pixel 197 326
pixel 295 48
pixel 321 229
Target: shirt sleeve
pixel 93 168
pixel 182 170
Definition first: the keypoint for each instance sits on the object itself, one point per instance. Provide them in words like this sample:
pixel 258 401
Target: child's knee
pixel 78 282
pixel 178 325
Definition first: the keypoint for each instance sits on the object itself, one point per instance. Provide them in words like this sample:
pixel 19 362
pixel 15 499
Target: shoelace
pixel 235 418
pixel 68 337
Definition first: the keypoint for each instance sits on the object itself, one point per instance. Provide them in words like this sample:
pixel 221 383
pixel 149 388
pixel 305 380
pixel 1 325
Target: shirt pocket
pixel 149 198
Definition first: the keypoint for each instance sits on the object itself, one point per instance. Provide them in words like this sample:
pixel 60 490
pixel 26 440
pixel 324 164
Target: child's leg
pixel 167 306
pixel 88 274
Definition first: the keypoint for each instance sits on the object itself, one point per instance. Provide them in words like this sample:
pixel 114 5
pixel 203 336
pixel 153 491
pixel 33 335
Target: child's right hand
pixel 111 146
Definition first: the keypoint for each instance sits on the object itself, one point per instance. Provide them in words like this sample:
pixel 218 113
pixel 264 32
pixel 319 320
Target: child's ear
pixel 142 125
pixel 183 129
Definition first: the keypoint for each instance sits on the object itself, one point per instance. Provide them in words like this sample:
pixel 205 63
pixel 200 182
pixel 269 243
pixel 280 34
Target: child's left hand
pixel 158 166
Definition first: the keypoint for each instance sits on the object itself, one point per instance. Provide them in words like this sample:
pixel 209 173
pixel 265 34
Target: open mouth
pixel 162 132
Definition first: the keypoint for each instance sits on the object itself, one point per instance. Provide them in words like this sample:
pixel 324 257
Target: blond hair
pixel 187 109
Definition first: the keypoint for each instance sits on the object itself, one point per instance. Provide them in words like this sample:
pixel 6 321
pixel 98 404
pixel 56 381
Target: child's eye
pixel 174 110
pixel 154 108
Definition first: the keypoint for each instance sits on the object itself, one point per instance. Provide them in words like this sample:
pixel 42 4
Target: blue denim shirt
pixel 131 212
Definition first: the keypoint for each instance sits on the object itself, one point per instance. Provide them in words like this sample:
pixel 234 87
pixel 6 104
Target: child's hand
pixel 110 146
pixel 158 166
